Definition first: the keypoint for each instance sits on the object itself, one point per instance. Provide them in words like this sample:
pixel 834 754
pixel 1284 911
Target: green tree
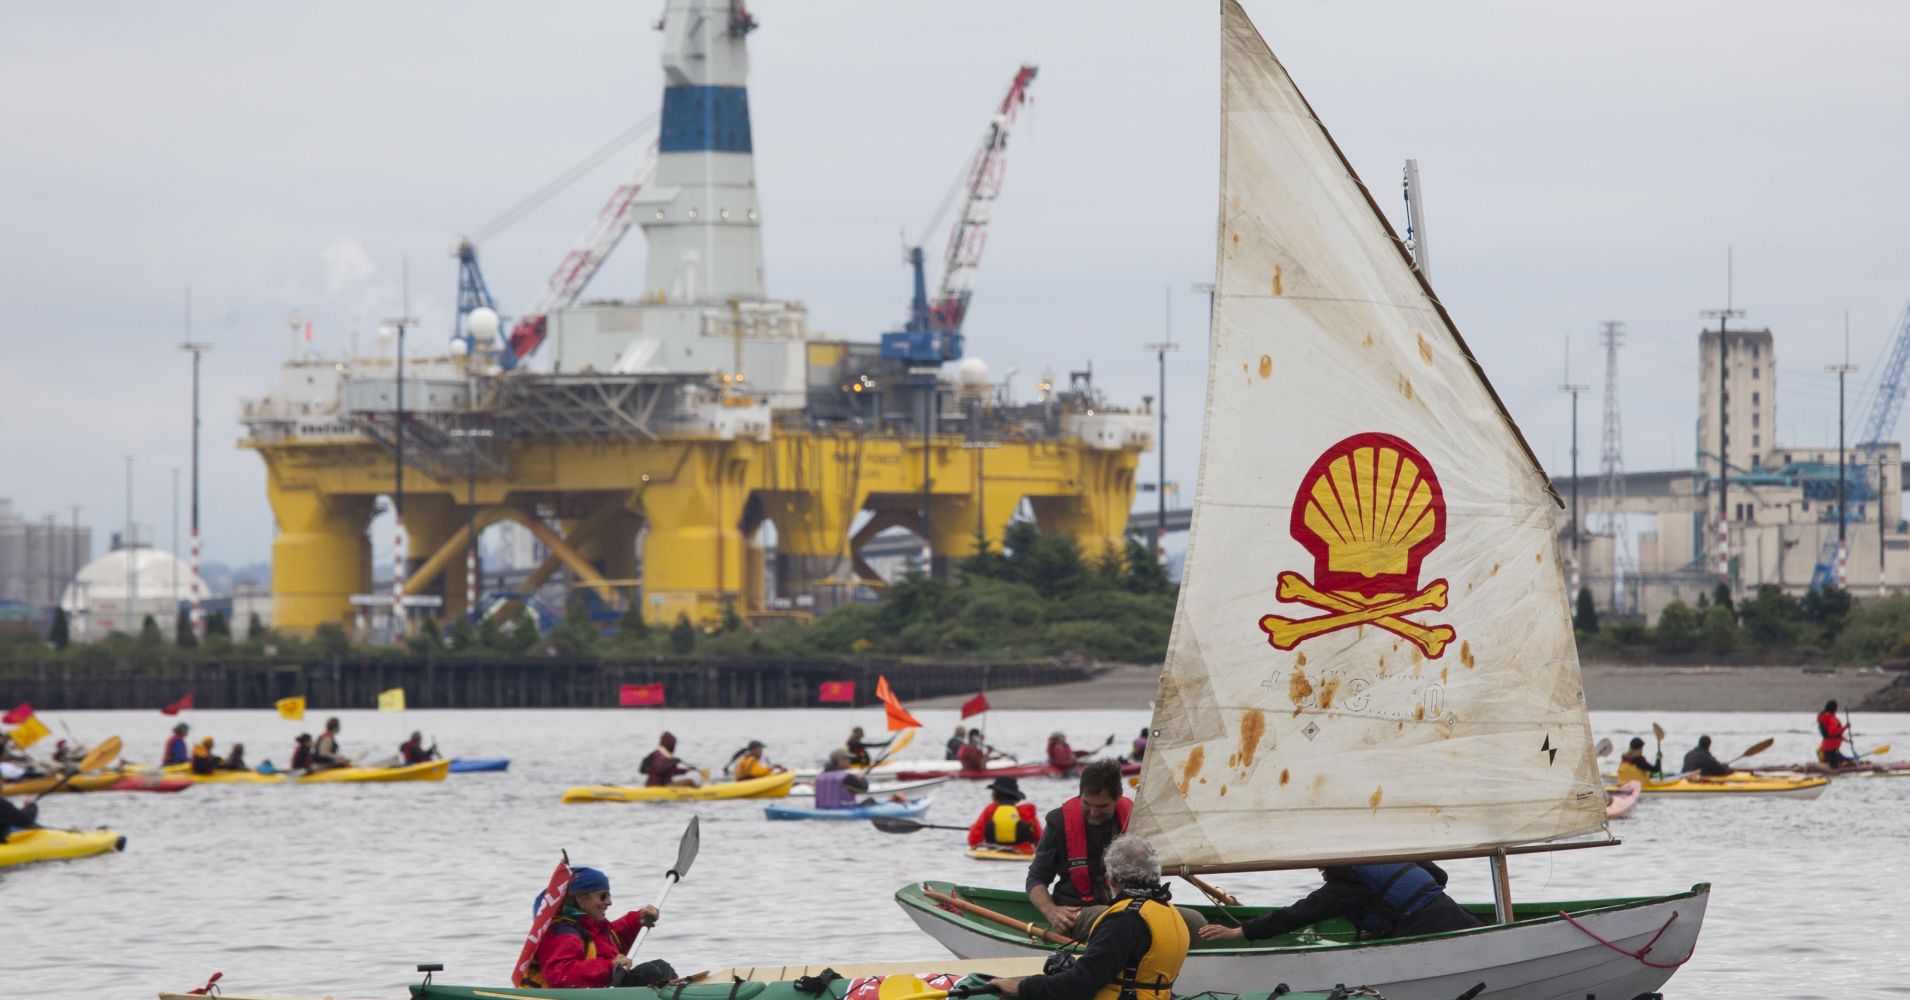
pixel 631 622
pixel 425 639
pixel 1829 609
pixel 331 640
pixel 1677 630
pixel 732 622
pixel 254 626
pixel 59 633
pixel 460 635
pixel 1585 618
pixel 1146 573
pixel 182 632
pixel 1771 618
pixel 521 635
pixel 217 625
pixel 1873 629
pixel 1720 630
pixel 578 635
pixel 490 634
pixel 149 634
pixel 682 634
pixel 987 563
pixel 1721 598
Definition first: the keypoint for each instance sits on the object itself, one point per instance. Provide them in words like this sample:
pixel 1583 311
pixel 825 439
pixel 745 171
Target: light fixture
pixel 692 213
pixel 725 213
pixel 659 213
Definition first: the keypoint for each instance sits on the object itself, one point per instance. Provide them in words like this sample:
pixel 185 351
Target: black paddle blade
pixel 892 824
pixel 686 851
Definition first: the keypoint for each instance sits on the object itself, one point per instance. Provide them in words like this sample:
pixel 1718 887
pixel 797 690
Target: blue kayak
pixel 460 765
pixel 913 807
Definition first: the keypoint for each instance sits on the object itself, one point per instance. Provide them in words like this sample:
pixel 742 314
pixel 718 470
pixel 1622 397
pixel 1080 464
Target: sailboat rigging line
pixel 1281 866
pixel 1425 285
pixel 1640 954
pixel 565 179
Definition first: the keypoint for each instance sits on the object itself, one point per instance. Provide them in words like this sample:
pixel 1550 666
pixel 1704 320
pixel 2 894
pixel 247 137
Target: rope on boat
pixel 1640 954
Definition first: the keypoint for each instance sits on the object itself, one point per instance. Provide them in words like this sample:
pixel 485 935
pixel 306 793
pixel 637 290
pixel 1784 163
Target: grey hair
pixel 1130 862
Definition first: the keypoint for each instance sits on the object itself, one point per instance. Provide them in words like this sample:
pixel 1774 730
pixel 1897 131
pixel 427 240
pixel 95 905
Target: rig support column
pixel 693 543
pixel 322 556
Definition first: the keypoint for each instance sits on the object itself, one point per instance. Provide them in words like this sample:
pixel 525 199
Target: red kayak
pixel 149 783
pixel 1008 771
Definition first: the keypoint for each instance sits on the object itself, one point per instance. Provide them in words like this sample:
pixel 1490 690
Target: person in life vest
pixel 235 758
pixel 14 817
pixel 748 762
pixel 661 769
pixel 1061 755
pixel 837 786
pixel 1008 823
pixel 859 747
pixel 1830 752
pixel 65 752
pixel 413 750
pixel 581 949
pixel 1066 881
pixel 976 753
pixel 1140 746
pixel 325 752
pixel 1135 947
pixel 1381 901
pixel 1701 760
pixel 1635 766
pixel 176 750
pixel 203 761
pixel 955 743
pixel 302 759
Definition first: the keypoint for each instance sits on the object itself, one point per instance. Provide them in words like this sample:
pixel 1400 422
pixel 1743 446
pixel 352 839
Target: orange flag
pixel 899 717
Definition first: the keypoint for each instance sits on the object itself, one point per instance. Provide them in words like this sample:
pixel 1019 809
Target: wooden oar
pixel 1025 926
pixel 1750 751
pixel 96 758
pixel 1221 899
pixel 685 855
pixel 895 824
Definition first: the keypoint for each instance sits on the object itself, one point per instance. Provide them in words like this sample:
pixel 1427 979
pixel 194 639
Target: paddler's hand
pixel 1062 918
pixel 621 962
pixel 1007 987
pixel 649 916
pixel 1215 932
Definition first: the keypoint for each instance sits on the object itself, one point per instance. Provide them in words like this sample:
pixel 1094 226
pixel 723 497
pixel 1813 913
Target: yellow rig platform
pixel 655 487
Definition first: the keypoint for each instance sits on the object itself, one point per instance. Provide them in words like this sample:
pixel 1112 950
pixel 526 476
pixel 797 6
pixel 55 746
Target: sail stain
pixel 1192 768
pixel 1495 570
pixel 1327 691
pixel 1253 725
pixel 1266 366
pixel 1442 676
pixel 1319 783
pixel 1299 659
pixel 1465 654
pixel 1425 349
pixel 1279 286
pixel 1405 386
pixel 1285 776
pixel 1369 339
pixel 1236 238
pixel 1379 792
pixel 1299 689
pixel 1419 715
pixel 1223 791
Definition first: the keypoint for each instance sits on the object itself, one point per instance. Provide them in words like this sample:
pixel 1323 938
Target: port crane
pixel 1883 402
pixel 933 333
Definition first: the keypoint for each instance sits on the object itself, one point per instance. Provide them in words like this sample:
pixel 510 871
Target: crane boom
pixel 970 234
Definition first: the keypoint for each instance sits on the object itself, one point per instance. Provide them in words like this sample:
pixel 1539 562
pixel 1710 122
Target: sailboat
pixel 1372 657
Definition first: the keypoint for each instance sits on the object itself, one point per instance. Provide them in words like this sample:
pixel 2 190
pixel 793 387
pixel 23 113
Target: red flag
pixel 975 706
pixel 21 713
pixel 899 717
pixel 542 911
pixel 640 695
pixel 843 692
pixel 178 706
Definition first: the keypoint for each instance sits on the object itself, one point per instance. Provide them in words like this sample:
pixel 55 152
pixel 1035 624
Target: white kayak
pixel 935 766
pixel 881 790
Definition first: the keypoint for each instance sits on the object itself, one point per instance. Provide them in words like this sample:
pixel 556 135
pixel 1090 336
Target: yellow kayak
pixel 431 770
pixel 97 781
pixel 984 854
pixel 22 846
pixel 1742 783
pixel 223 777
pixel 772 786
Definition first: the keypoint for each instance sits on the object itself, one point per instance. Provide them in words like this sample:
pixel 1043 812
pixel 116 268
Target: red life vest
pixel 1074 828
pixel 1831 729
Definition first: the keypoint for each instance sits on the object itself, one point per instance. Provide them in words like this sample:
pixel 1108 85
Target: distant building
pixel 38 558
pixel 116 592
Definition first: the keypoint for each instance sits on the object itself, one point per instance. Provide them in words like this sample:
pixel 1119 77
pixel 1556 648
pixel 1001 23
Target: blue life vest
pixel 1403 890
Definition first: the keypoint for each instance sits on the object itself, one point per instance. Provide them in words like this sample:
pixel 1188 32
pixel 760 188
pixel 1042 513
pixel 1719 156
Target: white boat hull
pixel 1545 958
pixel 881 789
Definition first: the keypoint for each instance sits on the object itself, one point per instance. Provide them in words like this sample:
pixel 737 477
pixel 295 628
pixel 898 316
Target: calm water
pixel 343 889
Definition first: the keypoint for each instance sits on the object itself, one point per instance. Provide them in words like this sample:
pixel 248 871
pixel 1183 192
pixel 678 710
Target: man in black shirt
pixel 1136 947
pixel 1066 873
pixel 1701 761
pixel 1381 901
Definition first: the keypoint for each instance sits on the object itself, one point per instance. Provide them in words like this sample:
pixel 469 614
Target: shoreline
pixel 1608 687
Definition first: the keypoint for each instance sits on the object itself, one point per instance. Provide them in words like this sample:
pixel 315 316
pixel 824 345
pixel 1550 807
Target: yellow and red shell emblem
pixel 1369 510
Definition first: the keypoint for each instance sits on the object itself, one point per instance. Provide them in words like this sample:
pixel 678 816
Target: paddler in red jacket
pixel 1831 751
pixel 1009 822
pixel 1061 755
pixel 661 769
pixel 581 949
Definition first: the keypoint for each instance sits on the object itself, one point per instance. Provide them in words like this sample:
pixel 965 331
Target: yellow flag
pixel 292 708
pixel 29 732
pixel 392 700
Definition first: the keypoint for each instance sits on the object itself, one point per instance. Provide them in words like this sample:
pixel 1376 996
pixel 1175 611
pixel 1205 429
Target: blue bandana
pixel 588 880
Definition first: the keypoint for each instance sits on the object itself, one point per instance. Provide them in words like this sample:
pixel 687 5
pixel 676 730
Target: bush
pixel 331 640
pixel 1873 629
pixel 1771 619
pixel 1585 618
pixel 59 634
pixel 1720 630
pixel 682 635
pixel 182 631
pixel 1677 630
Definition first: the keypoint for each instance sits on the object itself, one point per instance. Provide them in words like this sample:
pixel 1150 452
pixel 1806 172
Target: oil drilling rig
pixel 681 432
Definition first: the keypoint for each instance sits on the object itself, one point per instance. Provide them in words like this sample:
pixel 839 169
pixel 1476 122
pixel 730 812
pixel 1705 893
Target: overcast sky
pixel 1581 164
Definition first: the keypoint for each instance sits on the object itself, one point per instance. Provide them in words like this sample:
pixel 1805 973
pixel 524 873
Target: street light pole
pixel 196 349
pixel 1575 391
pixel 1843 467
pixel 1160 435
pixel 1724 475
pixel 1883 585
pixel 399 325
pixel 925 379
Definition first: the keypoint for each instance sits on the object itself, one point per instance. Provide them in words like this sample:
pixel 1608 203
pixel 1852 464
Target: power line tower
pixel 1611 474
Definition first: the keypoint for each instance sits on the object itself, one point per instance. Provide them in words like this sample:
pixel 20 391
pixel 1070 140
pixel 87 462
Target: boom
pixel 970 235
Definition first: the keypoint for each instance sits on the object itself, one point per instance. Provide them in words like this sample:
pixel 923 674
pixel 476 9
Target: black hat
pixel 1637 742
pixel 1007 786
pixel 755 745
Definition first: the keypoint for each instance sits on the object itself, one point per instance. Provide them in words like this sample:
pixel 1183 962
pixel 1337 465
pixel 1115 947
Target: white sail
pixel 1389 672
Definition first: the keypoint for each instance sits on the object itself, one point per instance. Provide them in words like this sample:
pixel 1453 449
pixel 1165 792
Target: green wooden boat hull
pixel 782 990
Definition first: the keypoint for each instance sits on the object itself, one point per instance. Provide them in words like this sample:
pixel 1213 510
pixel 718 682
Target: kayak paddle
pixel 895 824
pixel 1604 748
pixel 907 737
pixel 685 856
pixel 1750 751
pixel 96 758
pixel 1876 751
pixel 1659 732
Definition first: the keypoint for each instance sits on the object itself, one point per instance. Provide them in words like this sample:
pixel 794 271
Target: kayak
pixel 891 767
pixel 223 777
pixel 1540 954
pixel 22 846
pixel 984 854
pixel 1742 783
pixel 890 810
pixel 1128 768
pixel 98 781
pixel 883 789
pixel 430 770
pixel 1861 769
pixel 468 765
pixel 773 786
pixel 1620 801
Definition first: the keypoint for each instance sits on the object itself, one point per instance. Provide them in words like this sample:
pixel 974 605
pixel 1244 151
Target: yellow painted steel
pixel 696 504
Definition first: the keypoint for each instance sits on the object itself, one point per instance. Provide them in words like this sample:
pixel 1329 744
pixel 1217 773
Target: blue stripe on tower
pixel 705 119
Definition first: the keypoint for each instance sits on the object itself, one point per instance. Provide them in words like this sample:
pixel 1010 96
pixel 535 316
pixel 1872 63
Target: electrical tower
pixel 1611 474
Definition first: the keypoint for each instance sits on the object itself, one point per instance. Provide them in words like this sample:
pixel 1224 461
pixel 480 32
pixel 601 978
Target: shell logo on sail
pixel 1369 511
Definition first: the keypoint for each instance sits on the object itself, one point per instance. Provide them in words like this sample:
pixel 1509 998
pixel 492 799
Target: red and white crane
pixel 970 234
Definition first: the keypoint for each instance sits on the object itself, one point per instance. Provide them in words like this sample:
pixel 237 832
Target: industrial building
pixel 38 557
pixel 696 446
pixel 118 591
pixel 1773 515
